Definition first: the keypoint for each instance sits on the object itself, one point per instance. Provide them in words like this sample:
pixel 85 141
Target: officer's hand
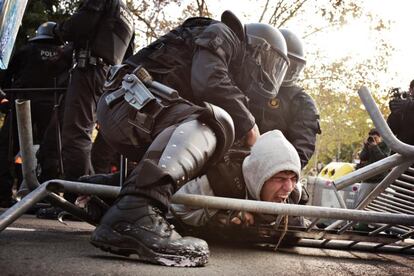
pixel 398 105
pixel 4 106
pixel 252 136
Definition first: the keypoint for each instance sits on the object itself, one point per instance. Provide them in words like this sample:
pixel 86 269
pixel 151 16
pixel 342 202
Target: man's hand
pixel 237 218
pixel 244 218
pixel 252 136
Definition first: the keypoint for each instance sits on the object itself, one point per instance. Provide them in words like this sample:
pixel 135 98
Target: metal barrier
pixel 389 207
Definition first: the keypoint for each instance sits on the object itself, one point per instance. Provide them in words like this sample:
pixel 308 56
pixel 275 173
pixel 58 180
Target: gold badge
pixel 274 103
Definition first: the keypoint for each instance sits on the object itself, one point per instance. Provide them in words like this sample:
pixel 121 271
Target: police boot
pixel 133 226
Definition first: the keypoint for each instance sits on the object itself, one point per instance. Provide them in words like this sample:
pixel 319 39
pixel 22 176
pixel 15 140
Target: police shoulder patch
pixel 274 103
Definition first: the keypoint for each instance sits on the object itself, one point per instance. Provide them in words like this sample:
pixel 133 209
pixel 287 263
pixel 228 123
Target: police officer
pixel 101 32
pixel 401 117
pixel 42 63
pixel 293 111
pixel 204 60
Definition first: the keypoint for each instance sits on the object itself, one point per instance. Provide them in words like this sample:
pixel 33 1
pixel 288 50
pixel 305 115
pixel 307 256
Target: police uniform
pixel 176 129
pixel 39 64
pixel 101 32
pixel 294 113
pixel 400 121
pixel 202 59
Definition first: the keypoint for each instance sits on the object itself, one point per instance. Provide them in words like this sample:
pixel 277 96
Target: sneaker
pixel 133 226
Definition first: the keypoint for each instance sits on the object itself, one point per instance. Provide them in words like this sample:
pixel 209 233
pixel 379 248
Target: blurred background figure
pixel 42 63
pixel 401 118
pixel 374 149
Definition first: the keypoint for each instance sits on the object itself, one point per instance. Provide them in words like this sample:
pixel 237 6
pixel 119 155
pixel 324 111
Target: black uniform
pixel 101 32
pixel 401 120
pixel 294 113
pixel 202 59
pixel 39 64
pixel 176 138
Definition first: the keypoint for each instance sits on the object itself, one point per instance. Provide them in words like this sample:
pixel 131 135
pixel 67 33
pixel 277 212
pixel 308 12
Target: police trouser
pixel 41 111
pixel 175 150
pixel 79 119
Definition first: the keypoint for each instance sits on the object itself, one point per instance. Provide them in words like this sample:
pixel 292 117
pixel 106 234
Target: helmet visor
pixel 295 68
pixel 273 63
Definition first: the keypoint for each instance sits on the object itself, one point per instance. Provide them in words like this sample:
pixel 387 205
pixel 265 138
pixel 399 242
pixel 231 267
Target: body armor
pixel 113 33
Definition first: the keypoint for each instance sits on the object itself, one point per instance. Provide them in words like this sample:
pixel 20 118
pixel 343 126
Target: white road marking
pixel 20 229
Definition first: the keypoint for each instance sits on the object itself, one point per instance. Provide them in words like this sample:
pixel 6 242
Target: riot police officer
pixel 293 111
pixel 178 134
pixel 402 116
pixel 101 32
pixel 42 63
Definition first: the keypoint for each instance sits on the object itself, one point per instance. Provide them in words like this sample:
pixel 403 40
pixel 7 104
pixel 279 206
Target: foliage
pixel 332 83
pixel 40 11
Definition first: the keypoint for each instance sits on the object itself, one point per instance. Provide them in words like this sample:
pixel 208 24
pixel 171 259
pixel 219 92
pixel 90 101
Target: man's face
pixel 279 186
pixel 377 138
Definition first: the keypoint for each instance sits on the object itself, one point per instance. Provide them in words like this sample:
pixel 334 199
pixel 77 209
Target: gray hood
pixel 272 153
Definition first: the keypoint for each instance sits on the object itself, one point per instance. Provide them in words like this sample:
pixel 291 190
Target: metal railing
pixel 398 217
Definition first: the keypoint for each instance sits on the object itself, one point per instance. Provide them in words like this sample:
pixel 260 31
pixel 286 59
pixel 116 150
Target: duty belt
pixel 146 106
pixel 83 58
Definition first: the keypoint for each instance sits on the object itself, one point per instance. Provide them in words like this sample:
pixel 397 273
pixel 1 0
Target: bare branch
pixel 264 11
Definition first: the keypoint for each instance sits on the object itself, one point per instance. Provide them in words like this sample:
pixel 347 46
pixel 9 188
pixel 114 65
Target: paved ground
pixel 43 247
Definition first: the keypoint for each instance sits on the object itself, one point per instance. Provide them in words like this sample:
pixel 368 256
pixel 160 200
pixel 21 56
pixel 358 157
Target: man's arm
pixel 304 127
pixel 81 25
pixel 192 215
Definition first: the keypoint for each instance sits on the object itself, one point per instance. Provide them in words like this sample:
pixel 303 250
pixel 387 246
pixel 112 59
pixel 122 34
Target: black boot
pixel 133 226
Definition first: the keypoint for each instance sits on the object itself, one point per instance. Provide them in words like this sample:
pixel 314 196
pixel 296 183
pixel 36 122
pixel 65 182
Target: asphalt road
pixel 43 247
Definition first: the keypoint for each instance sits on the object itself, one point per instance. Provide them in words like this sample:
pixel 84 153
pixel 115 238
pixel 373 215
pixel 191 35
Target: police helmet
pixel 266 59
pixel 44 31
pixel 296 57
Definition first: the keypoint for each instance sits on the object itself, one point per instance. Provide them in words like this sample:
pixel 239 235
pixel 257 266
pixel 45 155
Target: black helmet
pixel 44 31
pixel 296 57
pixel 266 60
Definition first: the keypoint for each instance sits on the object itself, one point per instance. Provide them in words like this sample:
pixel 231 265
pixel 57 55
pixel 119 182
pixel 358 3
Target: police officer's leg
pixel 133 225
pixel 8 150
pixel 103 155
pixel 79 119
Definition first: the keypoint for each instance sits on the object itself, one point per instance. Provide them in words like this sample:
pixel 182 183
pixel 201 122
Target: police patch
pixel 274 103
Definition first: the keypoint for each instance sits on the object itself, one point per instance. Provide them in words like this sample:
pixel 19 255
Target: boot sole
pixel 131 246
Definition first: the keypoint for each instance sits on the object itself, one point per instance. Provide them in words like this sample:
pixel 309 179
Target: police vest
pixel 114 33
pixel 169 58
pixel 277 113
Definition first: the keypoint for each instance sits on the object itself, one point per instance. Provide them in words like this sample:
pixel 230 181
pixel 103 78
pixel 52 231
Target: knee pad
pixel 222 125
pixel 189 148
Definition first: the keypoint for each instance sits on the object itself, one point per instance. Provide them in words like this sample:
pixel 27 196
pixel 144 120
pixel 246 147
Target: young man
pixel 269 173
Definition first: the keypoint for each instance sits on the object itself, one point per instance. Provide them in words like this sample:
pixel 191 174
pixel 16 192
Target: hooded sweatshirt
pixel 272 153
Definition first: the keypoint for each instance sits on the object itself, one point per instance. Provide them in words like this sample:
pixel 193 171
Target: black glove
pixel 398 105
pixel 111 179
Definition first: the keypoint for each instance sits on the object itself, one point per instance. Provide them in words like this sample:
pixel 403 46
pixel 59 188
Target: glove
pixel 111 179
pixel 4 106
pixel 398 105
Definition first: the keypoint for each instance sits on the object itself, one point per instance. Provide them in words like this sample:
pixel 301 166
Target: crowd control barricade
pixel 389 208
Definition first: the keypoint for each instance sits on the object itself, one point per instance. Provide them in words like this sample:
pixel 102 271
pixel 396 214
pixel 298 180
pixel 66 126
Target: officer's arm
pixel 394 121
pixel 304 127
pixel 211 81
pixel 82 24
